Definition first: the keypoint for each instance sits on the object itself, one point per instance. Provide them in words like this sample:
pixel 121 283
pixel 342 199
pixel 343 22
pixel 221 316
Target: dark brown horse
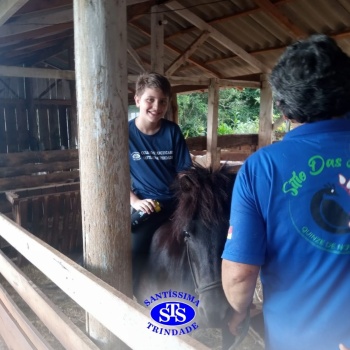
pixel 185 253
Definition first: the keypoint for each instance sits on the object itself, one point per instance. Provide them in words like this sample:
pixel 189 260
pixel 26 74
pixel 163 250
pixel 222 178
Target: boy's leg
pixel 142 239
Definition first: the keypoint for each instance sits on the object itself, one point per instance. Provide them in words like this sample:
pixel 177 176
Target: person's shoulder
pixel 169 123
pixel 262 155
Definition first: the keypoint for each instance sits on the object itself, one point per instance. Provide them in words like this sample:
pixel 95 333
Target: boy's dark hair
pixel 311 80
pixel 153 80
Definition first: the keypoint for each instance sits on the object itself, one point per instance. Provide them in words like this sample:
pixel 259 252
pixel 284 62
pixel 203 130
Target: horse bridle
pixel 199 290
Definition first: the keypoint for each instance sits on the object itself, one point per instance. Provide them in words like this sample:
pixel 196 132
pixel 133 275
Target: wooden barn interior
pixel 67 75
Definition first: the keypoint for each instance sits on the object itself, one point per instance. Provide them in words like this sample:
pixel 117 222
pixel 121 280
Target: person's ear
pixel 137 100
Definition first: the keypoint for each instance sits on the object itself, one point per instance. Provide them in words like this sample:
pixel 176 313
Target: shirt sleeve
pixel 246 240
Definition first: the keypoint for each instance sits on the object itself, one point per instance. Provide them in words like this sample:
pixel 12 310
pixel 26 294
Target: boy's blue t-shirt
pixel 290 214
pixel 156 159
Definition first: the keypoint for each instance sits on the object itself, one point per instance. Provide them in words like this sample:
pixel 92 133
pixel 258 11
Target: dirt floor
pixel 210 337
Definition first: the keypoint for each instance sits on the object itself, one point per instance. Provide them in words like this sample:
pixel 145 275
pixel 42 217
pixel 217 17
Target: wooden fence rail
pixel 122 316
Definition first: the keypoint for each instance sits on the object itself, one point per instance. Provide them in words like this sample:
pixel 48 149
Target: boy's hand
pixel 145 205
pixel 342 347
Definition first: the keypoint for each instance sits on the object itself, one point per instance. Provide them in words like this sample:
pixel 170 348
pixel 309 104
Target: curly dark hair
pixel 311 80
pixel 153 80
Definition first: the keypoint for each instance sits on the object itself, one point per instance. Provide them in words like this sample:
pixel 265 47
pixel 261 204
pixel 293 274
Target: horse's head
pixel 201 222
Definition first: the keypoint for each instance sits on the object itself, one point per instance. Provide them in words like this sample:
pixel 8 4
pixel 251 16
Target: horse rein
pixel 199 290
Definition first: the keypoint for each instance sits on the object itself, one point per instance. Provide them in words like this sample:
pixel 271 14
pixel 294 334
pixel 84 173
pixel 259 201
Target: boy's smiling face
pixel 153 105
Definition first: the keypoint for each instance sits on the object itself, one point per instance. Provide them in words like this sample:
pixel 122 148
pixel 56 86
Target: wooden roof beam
pixel 272 11
pixel 205 82
pixel 30 22
pixel 190 50
pixel 215 34
pixel 30 60
pixel 171 47
pixel 44 31
pixel 335 36
pixel 44 73
pixel 42 5
pixel 34 42
pixel 225 18
pixel 136 58
pixel 8 8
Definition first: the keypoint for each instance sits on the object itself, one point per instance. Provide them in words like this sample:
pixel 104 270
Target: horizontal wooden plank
pixel 32 168
pixel 21 102
pixel 224 141
pixel 67 333
pixel 28 72
pixel 43 190
pixel 26 181
pixel 121 315
pixel 15 159
pixel 10 332
pixel 23 323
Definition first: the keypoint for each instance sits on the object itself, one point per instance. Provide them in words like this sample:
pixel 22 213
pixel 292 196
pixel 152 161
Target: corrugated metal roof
pixel 262 28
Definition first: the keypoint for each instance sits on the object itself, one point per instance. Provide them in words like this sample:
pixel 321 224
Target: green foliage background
pixel 238 112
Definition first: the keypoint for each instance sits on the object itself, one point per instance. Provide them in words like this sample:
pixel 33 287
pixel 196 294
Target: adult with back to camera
pixel 290 208
pixel 157 153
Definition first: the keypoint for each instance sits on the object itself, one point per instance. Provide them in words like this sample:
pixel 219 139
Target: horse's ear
pixel 230 167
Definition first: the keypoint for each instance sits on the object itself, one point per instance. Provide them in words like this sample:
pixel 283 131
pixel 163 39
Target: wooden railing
pixel 225 141
pixel 122 316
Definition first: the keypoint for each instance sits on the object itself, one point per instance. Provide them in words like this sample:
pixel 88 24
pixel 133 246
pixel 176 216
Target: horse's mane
pixel 202 194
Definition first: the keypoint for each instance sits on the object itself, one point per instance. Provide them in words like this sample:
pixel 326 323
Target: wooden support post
pixel 173 110
pixel 157 40
pixel 213 154
pixel 101 77
pixel 265 116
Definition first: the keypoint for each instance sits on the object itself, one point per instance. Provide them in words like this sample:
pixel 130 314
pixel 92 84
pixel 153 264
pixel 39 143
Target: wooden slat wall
pixel 52 106
pixel 44 133
pixel 62 117
pixel 17 169
pixel 11 129
pixel 22 125
pixel 53 128
pixel 3 145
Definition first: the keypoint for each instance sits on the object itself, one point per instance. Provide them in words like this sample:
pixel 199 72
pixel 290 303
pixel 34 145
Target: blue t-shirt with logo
pixel 290 214
pixel 156 159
